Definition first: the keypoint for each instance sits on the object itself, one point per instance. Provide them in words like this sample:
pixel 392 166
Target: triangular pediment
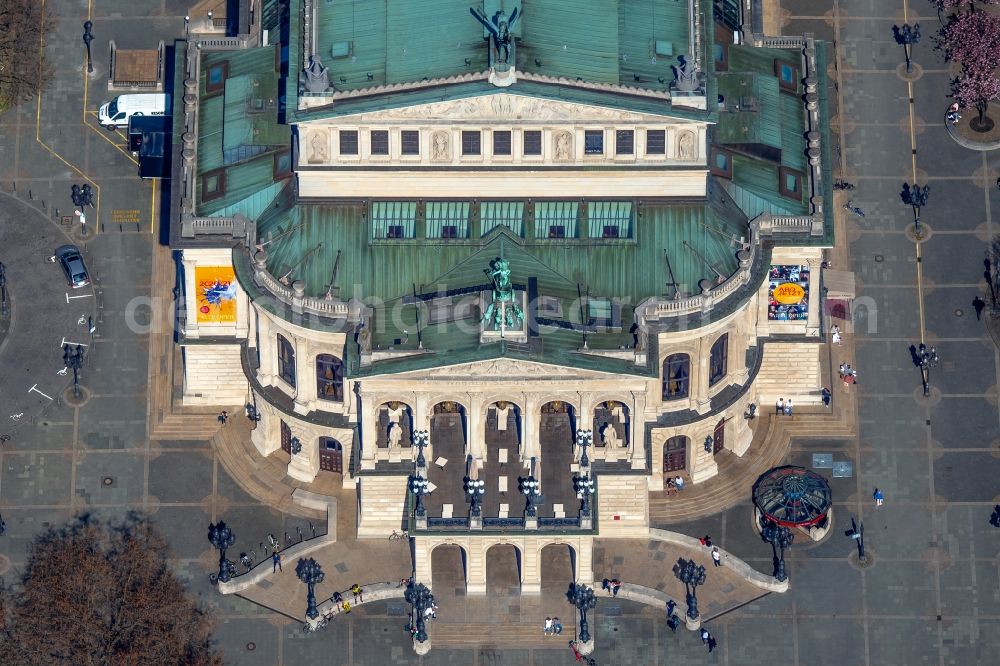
pixel 506 108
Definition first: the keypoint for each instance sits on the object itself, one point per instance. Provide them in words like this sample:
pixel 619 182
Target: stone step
pixel 500 634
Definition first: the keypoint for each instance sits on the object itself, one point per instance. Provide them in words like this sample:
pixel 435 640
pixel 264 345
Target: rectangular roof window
pixel 447 219
pixel 393 219
pixel 610 219
pixel 510 214
pixel 551 215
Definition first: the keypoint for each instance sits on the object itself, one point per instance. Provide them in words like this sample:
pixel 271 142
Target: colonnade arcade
pixel 474 423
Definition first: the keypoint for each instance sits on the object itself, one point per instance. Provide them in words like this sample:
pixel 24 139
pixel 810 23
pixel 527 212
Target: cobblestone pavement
pixel 933 593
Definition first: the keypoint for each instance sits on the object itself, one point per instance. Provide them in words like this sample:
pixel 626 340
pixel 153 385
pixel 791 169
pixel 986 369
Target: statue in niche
pixel 395 411
pixel 317 76
pixel 564 146
pixel 499 26
pixel 502 409
pixel 394 436
pixel 609 435
pixel 685 146
pixel 364 338
pixel 440 149
pixel 319 147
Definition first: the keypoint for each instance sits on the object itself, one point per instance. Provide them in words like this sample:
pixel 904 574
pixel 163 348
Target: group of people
pixel 342 604
pixel 553 627
pixel 674 484
pixel 611 585
pixel 783 407
pixel 848 374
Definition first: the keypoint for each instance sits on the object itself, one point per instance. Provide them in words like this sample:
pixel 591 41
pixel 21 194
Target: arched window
pixel 329 378
pixel 286 360
pixel 676 376
pixel 719 360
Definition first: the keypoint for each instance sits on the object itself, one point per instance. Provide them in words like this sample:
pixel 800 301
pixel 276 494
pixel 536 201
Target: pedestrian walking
pixel 223 417
pixel 548 626
pixel 556 626
pixel 779 407
pixel 338 599
pixel 716 557
pixel 878 497
pixel 276 558
pixel 606 585
pixel 711 642
pixel 671 605
pixel 978 304
pixel 704 635
pixel 788 407
pixel 673 622
pixel 358 593
pixel 826 396
pixel 835 335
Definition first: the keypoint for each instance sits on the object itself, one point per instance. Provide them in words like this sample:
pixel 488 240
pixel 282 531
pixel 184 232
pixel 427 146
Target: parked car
pixel 72 264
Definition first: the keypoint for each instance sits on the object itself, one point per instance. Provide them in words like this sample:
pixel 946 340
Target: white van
pixel 116 113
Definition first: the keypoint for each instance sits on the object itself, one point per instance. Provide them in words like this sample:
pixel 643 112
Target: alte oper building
pixel 504 271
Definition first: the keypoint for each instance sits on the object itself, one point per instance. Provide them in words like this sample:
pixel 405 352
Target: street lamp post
pixel 915 196
pixel 584 487
pixel 418 486
pixel 73 358
pixel 310 573
pixel 528 486
pixel 583 598
pixel 420 438
pixel 927 359
pixel 420 598
pixel 222 538
pixel 906 37
pixel 475 489
pixel 780 538
pixel 584 438
pixel 88 37
pixel 692 575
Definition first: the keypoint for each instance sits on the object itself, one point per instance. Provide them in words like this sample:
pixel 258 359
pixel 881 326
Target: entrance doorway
pixel 331 455
pixel 286 438
pixel 719 437
pixel 675 454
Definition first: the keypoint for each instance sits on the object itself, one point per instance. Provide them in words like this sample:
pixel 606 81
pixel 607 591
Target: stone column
pixel 637 435
pixel 476 445
pixel 702 402
pixel 703 465
pixel 190 298
pixel 266 437
pixel 531 444
pixel 475 581
pixel 531 566
pixel 585 561
pixel 305 381
pixel 266 373
pixel 304 465
pixel 368 421
pixel 815 298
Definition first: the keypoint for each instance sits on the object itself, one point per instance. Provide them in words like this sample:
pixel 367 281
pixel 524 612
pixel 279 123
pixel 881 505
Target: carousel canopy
pixel 792 496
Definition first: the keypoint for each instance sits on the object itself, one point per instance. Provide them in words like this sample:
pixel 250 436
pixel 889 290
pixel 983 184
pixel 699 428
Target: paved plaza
pixel 931 595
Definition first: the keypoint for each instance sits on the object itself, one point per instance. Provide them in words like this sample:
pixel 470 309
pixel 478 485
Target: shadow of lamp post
pixel 906 37
pixel 222 538
pixel 73 358
pixel 857 532
pixel 780 538
pixel 926 359
pixel 583 598
pixel 310 573
pixel 692 575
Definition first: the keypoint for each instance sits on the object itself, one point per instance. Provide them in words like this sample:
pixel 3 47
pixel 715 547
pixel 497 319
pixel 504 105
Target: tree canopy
pixel 99 593
pixel 24 71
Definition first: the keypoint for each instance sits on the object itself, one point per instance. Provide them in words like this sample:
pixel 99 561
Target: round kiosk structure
pixel 794 497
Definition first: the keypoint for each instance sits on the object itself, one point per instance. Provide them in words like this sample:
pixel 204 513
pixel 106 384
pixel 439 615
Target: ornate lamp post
pixel 926 359
pixel 87 39
pixel 222 537
pixel 906 37
pixel 584 487
pixel 583 598
pixel 692 575
pixel 73 358
pixel 310 573
pixel 528 486
pixel 418 486
pixel 780 538
pixel 584 438
pixel 915 196
pixel 418 596
pixel 420 438
pixel 475 489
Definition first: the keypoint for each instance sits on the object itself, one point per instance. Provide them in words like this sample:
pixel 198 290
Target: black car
pixel 72 264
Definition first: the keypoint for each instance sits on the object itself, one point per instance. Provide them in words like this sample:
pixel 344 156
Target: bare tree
pixel 24 70
pixel 97 593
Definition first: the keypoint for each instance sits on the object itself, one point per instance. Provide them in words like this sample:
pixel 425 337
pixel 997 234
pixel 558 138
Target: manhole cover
pixel 251 646
pixel 959 312
pixel 879 258
pixel 108 481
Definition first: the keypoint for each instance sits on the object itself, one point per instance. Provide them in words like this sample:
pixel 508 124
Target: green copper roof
pixel 378 42
pixel 238 130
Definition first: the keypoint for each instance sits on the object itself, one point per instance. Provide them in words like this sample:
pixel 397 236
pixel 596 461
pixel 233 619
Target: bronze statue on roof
pixel 503 312
pixel 499 26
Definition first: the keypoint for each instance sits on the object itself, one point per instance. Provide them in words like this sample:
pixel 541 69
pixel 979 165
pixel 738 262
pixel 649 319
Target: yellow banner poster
pixel 216 294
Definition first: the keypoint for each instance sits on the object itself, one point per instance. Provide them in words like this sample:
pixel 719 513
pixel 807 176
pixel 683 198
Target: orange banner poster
pixel 216 294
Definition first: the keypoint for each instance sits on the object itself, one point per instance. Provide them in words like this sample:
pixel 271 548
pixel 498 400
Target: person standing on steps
pixel 779 407
pixel 826 396
pixel 788 407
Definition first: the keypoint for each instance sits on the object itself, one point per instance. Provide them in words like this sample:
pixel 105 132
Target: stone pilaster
pixel 585 560
pixel 531 569
pixel 368 421
pixel 305 381
pixel 476 567
pixel 637 439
